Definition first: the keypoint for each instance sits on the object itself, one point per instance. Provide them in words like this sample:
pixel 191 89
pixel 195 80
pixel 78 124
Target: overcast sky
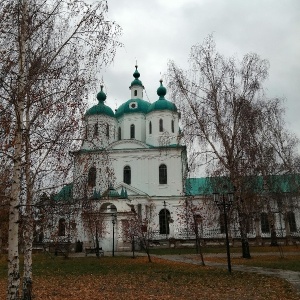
pixel 156 31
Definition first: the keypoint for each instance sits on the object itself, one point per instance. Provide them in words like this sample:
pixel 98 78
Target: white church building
pixel 131 158
pixel 135 153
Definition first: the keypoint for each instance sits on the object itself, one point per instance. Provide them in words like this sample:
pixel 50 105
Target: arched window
pixel 135 92
pixel 132 131
pixel 150 127
pixel 265 226
pixel 222 222
pixel 119 133
pixel 92 177
pixel 161 125
pixel 62 227
pixel 172 126
pixel 96 131
pixel 107 130
pixel 292 221
pixel 163 174
pixel 164 218
pixel 127 175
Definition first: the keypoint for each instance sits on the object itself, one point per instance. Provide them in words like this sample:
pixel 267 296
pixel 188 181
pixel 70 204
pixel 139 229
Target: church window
pixel 62 227
pixel 164 217
pixel 162 174
pixel 172 125
pixel 265 226
pixel 119 133
pixel 132 131
pixel 127 175
pixel 96 130
pixel 135 92
pixel 248 225
pixel 107 130
pixel 150 127
pixel 222 222
pixel 133 105
pixel 92 177
pixel 292 221
pixel 139 209
pixel 161 125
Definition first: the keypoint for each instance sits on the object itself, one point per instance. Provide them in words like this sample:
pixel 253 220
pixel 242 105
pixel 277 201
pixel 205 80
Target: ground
pixel 126 278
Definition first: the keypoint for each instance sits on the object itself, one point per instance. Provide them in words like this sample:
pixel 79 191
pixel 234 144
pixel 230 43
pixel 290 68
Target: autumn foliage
pixel 127 278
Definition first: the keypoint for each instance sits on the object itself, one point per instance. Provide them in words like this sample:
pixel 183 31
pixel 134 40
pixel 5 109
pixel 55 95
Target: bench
pixel 90 250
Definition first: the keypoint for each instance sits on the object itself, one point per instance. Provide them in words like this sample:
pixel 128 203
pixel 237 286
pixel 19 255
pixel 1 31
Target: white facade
pixel 131 158
pixel 134 150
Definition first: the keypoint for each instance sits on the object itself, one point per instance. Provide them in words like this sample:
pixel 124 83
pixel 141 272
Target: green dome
pixel 162 103
pixel 136 81
pixel 161 91
pixel 101 96
pixel 132 106
pixel 100 108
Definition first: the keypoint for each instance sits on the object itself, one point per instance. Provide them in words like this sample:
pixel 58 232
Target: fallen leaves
pixel 126 278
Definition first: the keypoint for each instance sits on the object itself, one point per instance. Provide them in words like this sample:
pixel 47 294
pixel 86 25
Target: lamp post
pixel 113 233
pixel 224 202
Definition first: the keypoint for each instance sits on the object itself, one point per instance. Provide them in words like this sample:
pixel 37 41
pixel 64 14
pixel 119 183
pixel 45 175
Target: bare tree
pixel 228 123
pixel 139 228
pixel 50 54
pixel 94 219
pixel 191 215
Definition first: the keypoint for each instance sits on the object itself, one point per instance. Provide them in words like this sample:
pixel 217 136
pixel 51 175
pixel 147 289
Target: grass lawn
pixel 126 278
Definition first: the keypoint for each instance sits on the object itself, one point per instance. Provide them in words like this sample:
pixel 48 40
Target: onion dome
pixel 133 106
pixel 162 103
pixel 136 75
pixel 100 108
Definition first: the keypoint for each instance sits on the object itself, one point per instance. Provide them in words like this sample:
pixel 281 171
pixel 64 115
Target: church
pixel 131 160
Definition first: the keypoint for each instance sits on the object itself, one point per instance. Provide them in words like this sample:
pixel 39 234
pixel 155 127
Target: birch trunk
pixel 13 230
pixel 27 276
pixel 28 218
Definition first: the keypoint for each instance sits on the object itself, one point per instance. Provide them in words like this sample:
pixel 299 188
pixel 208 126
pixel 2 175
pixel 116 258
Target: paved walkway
pixel 291 276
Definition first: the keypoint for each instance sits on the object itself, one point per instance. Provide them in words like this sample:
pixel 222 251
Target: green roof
pixel 136 81
pixel 65 194
pixel 100 108
pixel 162 103
pixel 198 186
pixel 132 106
pixel 113 193
pixel 270 184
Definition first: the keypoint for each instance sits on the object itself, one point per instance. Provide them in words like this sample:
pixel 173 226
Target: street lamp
pixel 224 202
pixel 113 233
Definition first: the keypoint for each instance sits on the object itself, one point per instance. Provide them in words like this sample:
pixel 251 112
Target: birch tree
pixel 51 52
pixel 141 228
pixel 191 216
pixel 229 124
